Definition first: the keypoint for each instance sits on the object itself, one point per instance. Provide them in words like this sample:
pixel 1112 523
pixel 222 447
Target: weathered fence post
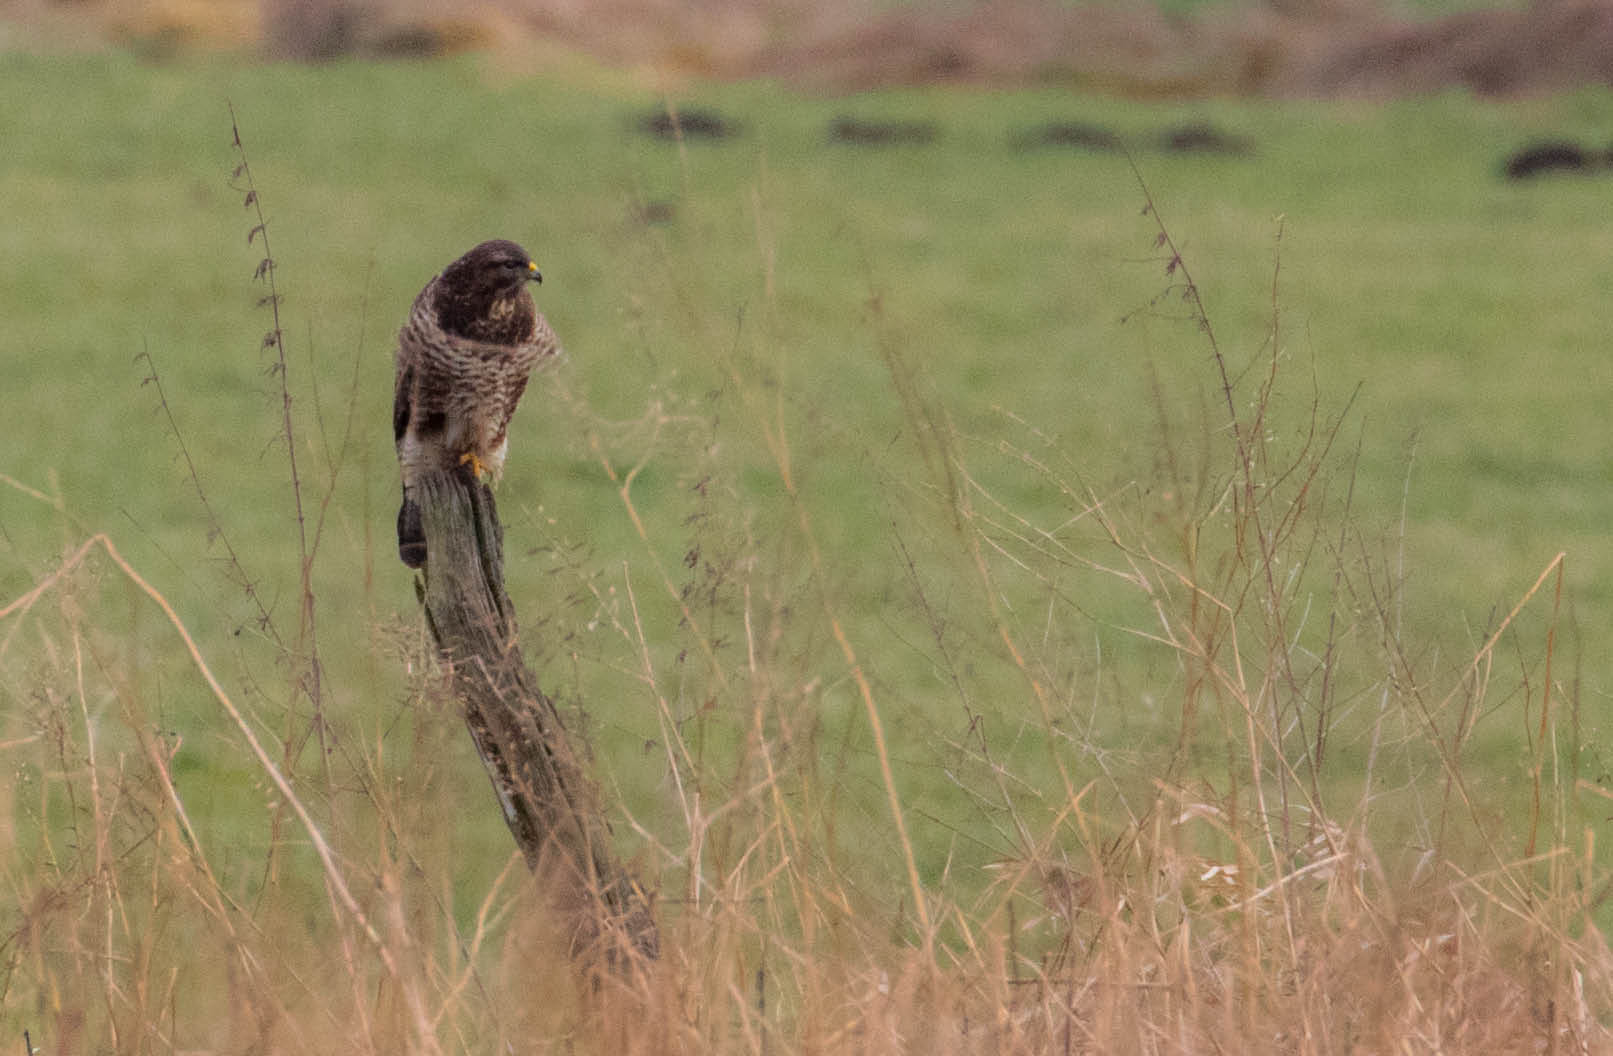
pixel 549 803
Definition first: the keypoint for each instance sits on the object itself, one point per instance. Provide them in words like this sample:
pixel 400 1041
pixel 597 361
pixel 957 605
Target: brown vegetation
pixel 1301 48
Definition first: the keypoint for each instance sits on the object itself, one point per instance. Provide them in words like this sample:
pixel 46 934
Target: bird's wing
pixel 408 363
pixel 402 393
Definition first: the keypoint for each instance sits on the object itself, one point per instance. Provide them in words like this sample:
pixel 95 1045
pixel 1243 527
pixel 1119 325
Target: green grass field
pixel 942 399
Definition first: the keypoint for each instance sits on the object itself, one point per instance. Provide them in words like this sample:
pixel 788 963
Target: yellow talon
pixel 469 458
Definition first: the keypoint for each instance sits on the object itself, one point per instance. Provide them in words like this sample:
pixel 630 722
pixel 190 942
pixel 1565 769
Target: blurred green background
pixel 711 290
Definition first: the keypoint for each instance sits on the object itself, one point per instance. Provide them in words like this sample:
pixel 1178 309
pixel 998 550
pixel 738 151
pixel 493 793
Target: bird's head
pixel 483 292
pixel 499 267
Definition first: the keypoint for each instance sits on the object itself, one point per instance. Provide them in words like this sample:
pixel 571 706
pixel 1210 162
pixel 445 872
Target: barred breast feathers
pixel 459 393
pixel 423 336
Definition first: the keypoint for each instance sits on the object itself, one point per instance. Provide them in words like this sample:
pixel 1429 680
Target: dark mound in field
pixel 1076 134
pixel 694 123
pixel 1540 159
pixel 865 133
pixel 1202 138
pixel 658 211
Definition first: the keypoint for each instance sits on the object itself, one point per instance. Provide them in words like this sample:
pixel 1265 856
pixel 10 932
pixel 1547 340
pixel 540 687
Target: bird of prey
pixel 473 337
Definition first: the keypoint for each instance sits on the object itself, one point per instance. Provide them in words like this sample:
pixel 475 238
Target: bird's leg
pixel 476 468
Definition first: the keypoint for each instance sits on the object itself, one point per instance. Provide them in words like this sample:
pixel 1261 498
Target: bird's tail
pixel 411 533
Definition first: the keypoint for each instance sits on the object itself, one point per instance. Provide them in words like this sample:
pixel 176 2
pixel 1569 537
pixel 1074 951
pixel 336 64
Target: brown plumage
pixel 472 338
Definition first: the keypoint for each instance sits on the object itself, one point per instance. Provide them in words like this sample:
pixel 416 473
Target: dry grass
pixel 124 937
pixel 1315 866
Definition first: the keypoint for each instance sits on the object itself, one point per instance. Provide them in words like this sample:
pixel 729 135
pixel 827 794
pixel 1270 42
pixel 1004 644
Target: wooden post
pixel 549 802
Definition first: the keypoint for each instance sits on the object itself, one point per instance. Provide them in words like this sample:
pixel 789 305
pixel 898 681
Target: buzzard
pixel 472 338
